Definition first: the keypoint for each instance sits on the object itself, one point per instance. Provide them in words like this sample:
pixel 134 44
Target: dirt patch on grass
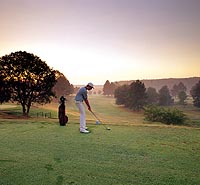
pixel 5 114
pixel 6 106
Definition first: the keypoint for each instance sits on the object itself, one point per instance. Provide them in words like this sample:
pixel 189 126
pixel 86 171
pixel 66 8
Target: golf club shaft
pixel 94 115
pixel 98 119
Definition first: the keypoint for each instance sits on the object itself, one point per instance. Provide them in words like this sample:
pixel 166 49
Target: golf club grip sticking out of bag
pixel 107 128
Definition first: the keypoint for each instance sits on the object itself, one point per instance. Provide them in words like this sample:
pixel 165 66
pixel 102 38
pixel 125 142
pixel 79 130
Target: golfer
pixel 81 97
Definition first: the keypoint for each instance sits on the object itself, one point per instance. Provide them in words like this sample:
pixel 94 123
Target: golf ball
pixel 97 122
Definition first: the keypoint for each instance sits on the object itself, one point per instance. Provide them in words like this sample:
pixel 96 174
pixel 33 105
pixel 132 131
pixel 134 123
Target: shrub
pixel 163 115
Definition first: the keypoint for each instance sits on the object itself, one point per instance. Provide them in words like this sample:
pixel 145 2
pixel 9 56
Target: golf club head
pixel 97 122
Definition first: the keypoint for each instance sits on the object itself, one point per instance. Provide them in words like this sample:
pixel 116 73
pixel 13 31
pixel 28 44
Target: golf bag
pixel 63 118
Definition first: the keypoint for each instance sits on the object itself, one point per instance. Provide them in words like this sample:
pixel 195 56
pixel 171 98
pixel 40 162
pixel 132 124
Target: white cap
pixel 90 84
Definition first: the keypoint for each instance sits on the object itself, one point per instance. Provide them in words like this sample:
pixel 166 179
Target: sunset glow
pixel 92 40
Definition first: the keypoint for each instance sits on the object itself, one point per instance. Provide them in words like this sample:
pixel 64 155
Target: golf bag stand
pixel 63 118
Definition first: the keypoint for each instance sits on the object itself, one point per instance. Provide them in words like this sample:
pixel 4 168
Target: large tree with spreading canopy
pixel 27 78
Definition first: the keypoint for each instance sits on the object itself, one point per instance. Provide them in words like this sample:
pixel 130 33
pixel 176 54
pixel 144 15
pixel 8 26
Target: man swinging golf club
pixel 81 97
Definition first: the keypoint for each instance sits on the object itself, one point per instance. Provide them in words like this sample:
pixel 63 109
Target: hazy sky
pixel 99 40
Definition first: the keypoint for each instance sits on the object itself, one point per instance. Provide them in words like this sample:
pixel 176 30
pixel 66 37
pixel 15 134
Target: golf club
pixel 98 120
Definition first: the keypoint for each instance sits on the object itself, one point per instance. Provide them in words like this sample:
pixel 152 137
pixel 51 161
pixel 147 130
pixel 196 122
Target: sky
pixel 99 40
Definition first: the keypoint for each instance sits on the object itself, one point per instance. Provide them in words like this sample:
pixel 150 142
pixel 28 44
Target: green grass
pixel 39 151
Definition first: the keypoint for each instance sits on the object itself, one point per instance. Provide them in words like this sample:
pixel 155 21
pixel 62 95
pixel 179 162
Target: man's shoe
pixel 85 132
pixel 86 128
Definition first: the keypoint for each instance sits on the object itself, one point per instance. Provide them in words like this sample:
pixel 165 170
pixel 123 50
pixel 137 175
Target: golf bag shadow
pixel 63 118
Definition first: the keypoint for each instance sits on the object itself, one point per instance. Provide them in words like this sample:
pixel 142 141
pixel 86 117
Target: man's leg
pixel 82 115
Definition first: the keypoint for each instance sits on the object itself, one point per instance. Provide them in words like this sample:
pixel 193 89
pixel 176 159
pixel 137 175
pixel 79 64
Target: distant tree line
pixel 170 82
pixel 135 96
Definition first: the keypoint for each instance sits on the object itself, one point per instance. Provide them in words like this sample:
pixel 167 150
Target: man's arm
pixel 88 104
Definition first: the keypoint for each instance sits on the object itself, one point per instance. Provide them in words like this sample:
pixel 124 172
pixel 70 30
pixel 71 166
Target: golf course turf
pixel 39 151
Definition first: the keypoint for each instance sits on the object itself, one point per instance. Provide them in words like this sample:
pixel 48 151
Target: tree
pixel 136 95
pixel 29 79
pixel 195 93
pixel 62 86
pixel 181 87
pixel 164 96
pixel 112 88
pixel 178 88
pixel 182 97
pixel 109 88
pixel 152 96
pixel 174 90
pixel 121 94
pixel 106 88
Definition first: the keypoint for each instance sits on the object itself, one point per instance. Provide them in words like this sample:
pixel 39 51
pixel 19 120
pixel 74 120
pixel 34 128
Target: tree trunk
pixel 28 109
pixel 25 113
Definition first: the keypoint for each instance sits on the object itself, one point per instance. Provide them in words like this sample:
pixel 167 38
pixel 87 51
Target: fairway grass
pixel 44 153
pixel 37 151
